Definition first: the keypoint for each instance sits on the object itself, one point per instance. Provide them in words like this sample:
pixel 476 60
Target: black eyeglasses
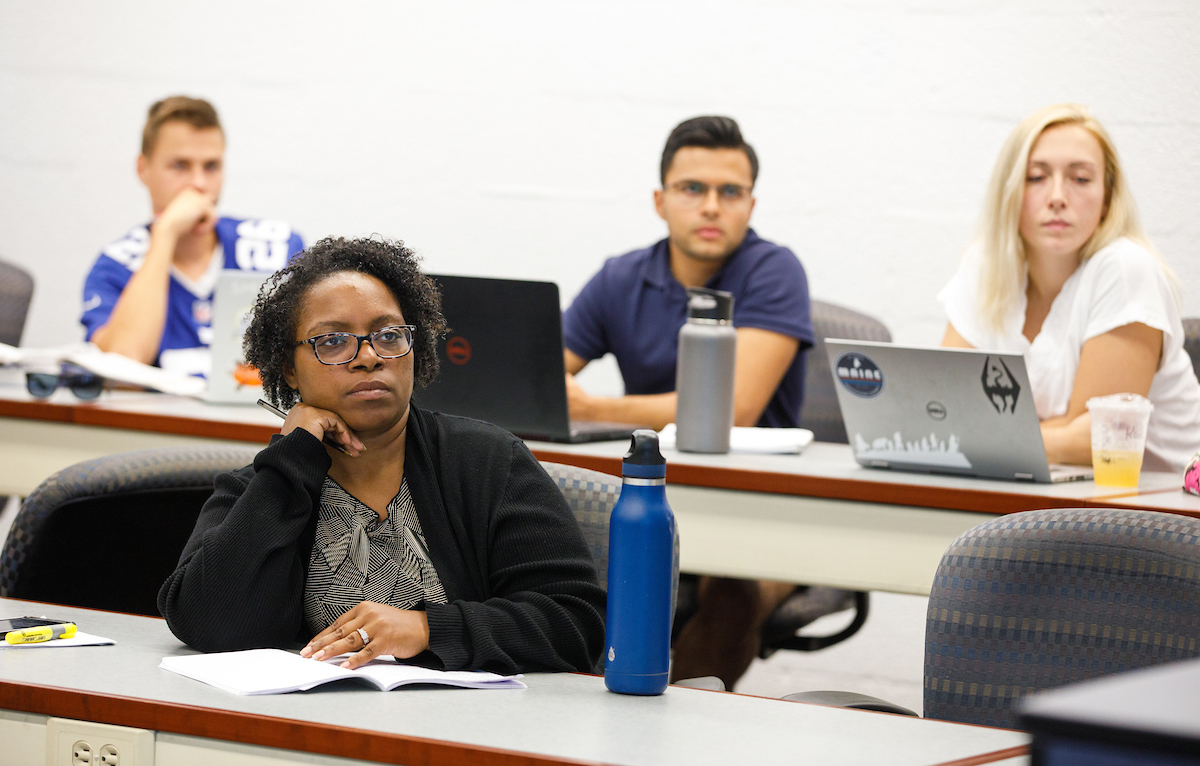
pixel 84 384
pixel 342 347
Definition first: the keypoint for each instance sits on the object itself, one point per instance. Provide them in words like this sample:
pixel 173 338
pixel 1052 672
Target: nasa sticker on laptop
pixel 859 375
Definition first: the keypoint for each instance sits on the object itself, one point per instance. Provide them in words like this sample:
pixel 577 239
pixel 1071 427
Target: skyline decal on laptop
pixel 929 450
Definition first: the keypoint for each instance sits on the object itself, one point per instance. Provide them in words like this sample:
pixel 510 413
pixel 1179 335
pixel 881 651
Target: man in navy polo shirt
pixel 149 294
pixel 634 307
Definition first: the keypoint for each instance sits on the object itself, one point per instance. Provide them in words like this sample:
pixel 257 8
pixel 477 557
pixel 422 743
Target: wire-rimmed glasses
pixel 693 193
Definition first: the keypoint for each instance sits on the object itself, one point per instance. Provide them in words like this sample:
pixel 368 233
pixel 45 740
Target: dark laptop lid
pixel 502 360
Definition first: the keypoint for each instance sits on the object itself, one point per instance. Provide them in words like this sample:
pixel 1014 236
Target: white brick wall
pixel 521 137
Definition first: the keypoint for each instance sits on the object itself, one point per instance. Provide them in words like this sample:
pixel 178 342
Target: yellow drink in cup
pixel 1117 468
pixel 1119 425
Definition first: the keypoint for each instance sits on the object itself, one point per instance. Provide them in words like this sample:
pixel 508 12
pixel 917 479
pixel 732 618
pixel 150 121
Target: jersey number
pixel 262 245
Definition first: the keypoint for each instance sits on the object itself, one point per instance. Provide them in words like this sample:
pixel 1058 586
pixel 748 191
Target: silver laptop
pixel 941 410
pixel 230 381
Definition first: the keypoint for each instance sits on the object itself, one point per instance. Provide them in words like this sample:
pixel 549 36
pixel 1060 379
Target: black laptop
pixel 502 361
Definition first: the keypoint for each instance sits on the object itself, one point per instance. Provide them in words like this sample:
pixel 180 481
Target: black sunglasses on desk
pixel 84 384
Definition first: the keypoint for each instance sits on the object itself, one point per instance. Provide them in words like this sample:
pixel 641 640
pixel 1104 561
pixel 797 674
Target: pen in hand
pixel 283 414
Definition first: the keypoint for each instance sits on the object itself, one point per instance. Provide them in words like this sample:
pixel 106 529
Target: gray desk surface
pixel 560 717
pixel 822 460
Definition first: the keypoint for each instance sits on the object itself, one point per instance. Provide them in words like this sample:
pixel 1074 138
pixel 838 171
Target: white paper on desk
pixel 107 365
pixel 29 357
pixel 274 671
pixel 79 639
pixel 122 368
pixel 756 441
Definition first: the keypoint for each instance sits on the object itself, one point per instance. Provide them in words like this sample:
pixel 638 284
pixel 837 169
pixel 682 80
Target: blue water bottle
pixel 641 574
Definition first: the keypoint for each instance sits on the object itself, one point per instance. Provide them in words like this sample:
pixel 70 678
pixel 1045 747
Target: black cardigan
pixel 519 578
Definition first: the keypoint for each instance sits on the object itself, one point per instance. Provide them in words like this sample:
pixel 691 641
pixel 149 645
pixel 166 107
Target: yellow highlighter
pixel 34 630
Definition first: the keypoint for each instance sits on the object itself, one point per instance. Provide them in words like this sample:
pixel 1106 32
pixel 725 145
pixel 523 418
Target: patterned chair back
pixel 820 412
pixel 106 533
pixel 1035 600
pixel 16 291
pixel 591 496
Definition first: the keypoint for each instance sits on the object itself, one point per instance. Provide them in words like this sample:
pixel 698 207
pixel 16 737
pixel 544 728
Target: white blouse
pixel 1119 285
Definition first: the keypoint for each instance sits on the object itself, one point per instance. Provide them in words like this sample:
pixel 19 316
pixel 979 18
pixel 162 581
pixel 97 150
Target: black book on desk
pixel 1148 717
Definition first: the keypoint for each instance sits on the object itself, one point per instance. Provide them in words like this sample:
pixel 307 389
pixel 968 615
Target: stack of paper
pixel 274 671
pixel 758 441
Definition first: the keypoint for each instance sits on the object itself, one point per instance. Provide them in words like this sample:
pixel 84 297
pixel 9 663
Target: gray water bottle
pixel 704 373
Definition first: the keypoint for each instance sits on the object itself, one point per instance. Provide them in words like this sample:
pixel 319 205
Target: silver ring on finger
pixel 362 633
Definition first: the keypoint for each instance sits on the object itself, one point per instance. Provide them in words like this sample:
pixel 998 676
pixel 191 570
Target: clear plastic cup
pixel 1119 424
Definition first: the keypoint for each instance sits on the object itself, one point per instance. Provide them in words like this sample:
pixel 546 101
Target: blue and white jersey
pixel 250 245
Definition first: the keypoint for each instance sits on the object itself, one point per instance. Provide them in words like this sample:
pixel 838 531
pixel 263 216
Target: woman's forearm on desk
pixel 1068 441
pixel 240 577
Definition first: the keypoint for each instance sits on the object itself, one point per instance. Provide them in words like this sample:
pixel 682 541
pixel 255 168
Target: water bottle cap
pixel 644 459
pixel 704 303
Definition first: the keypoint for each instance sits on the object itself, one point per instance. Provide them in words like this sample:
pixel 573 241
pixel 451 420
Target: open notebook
pixel 274 671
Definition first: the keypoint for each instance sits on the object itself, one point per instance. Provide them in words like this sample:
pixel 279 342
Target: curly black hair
pixel 270 340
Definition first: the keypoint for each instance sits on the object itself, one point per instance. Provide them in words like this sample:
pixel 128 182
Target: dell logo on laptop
pixel 458 350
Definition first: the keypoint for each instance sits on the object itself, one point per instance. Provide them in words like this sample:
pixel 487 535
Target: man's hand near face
pixel 191 212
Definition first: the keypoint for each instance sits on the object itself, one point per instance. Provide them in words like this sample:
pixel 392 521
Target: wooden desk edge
pixel 255 729
pixel 88 415
pixel 999 755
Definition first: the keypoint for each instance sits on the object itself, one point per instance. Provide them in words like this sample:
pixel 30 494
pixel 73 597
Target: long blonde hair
pixel 1005 259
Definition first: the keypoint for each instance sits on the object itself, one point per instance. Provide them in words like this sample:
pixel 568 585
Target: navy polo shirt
pixel 633 308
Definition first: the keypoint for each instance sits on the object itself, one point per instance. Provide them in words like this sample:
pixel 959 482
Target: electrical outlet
pixel 82 743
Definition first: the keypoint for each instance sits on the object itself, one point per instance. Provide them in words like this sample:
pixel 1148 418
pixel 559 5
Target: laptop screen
pixel 502 359
pixel 943 410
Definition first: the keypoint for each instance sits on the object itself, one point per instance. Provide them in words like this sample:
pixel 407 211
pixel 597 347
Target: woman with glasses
pixel 1063 273
pixel 406 532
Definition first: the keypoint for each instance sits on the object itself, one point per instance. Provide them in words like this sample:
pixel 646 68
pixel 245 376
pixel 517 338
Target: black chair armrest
pixel 851 700
pixel 712 683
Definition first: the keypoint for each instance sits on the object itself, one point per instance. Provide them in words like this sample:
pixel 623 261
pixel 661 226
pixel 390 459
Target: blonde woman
pixel 1062 273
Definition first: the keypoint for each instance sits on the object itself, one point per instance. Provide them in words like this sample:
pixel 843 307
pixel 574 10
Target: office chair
pixel 106 533
pixel 1191 341
pixel 16 291
pixel 1035 600
pixel 821 414
pixel 591 496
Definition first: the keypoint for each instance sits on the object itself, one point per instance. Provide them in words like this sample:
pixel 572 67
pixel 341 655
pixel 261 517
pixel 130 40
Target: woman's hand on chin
pixel 322 424
pixel 401 633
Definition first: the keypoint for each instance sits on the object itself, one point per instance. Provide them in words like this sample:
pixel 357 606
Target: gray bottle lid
pixel 704 303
